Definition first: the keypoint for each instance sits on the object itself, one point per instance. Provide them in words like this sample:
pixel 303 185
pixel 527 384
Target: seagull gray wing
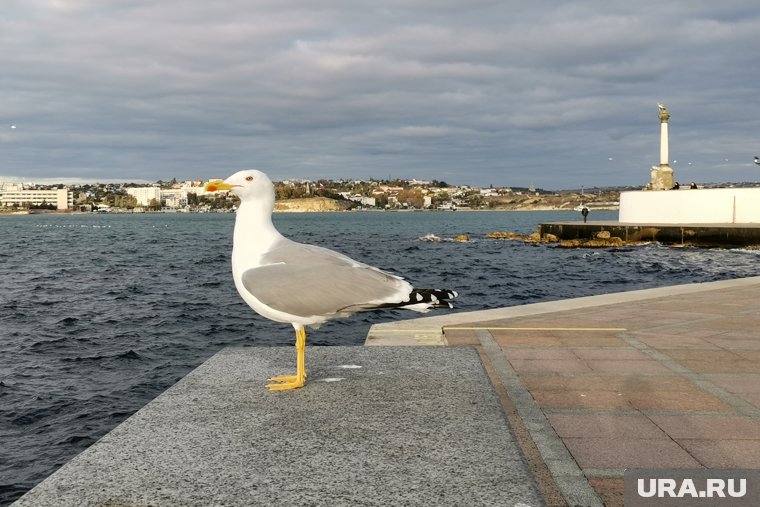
pixel 307 280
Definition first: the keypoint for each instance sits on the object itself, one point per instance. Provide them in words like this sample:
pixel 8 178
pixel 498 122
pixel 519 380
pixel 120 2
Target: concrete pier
pixel 707 235
pixel 374 426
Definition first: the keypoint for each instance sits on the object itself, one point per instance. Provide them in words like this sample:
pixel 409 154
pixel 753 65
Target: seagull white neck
pixel 254 232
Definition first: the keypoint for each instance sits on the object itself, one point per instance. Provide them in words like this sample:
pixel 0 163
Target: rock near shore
pixel 506 235
pixel 602 239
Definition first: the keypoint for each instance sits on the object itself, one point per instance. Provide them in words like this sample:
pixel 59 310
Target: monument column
pixel 664 117
pixel 662 175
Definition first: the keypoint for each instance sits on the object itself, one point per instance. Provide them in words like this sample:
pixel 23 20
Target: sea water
pixel 101 313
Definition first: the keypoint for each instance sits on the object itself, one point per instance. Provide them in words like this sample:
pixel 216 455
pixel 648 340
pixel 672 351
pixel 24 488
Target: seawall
pixel 708 235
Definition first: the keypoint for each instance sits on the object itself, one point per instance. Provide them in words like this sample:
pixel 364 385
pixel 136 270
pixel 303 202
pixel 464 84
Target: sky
pixel 481 92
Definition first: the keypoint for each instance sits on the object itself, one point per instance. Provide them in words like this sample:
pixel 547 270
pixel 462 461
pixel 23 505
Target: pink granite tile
pixel 746 334
pixel 713 453
pixel 749 355
pixel 549 365
pixel 753 398
pixel 697 305
pixel 737 383
pixel 627 366
pixel 717 361
pixel 522 341
pixel 735 323
pixel 540 354
pixel 702 355
pixel 460 337
pixel 628 453
pixel 661 341
pixel 716 427
pixel 580 399
pixel 656 318
pixel 617 383
pixel 560 320
pixel 617 353
pixel 721 366
pixel 605 426
pixel 612 316
pixel 585 392
pixel 591 340
pixel 694 400
pixel 735 341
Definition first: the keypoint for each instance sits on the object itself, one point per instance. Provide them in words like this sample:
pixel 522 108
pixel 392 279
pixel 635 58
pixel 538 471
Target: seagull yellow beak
pixel 218 185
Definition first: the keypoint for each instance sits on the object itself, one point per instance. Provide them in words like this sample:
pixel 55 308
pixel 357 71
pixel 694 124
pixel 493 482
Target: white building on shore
pixel 145 195
pixel 361 199
pixel 170 198
pixel 14 195
pixel 174 198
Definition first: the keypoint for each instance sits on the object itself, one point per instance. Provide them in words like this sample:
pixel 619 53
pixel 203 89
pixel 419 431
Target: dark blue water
pixel 101 313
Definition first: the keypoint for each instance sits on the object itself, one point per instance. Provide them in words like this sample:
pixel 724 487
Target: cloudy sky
pixel 558 94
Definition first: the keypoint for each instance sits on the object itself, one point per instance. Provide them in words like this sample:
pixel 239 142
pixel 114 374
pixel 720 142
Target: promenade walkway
pixel 660 378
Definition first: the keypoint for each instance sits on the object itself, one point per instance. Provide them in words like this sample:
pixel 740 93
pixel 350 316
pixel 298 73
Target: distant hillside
pixel 607 200
pixel 310 204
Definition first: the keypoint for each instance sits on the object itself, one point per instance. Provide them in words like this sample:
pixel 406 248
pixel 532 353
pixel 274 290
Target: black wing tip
pixel 438 298
pixel 429 298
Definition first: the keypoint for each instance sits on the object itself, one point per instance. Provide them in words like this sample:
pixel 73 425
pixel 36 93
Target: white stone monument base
pixel 691 206
pixel 661 178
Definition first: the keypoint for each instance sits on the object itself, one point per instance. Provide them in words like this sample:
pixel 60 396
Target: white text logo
pixel 714 488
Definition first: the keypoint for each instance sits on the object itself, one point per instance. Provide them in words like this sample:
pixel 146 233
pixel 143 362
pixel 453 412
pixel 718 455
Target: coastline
pixel 458 210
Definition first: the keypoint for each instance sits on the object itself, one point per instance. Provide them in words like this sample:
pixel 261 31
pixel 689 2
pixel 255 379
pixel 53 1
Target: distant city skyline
pixel 479 93
pixel 75 183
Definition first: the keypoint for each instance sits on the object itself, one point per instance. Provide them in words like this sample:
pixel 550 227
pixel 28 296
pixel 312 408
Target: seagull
pixel 301 284
pixel 13 125
pixel 757 160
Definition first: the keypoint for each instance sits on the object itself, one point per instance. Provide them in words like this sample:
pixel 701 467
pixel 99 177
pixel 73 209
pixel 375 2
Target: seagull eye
pixel 249 178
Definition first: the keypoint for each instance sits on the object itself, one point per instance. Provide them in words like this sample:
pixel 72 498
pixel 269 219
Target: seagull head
pixel 248 185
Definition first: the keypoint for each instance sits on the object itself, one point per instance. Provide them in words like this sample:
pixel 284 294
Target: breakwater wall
pixel 707 235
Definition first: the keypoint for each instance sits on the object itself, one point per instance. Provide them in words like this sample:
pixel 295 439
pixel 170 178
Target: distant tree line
pixel 43 205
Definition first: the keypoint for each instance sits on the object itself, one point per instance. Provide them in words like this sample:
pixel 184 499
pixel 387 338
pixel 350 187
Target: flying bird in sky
pixel 13 125
pixel 757 160
pixel 305 285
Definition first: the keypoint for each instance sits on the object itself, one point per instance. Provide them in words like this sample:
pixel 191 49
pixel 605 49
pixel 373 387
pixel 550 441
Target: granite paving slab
pixel 373 426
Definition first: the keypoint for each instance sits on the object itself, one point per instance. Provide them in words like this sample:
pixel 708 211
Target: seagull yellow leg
pixel 285 382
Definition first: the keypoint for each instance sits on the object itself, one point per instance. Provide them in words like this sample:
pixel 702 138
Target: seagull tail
pixel 436 298
pixel 423 300
pixel 419 300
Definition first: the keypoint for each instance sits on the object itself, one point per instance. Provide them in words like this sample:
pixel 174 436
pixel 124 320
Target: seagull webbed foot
pixel 285 378
pixel 286 382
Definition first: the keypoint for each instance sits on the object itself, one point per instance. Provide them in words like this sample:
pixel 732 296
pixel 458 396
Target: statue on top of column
pixel 664 114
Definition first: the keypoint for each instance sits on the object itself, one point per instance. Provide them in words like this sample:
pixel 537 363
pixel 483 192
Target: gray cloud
pixel 471 92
